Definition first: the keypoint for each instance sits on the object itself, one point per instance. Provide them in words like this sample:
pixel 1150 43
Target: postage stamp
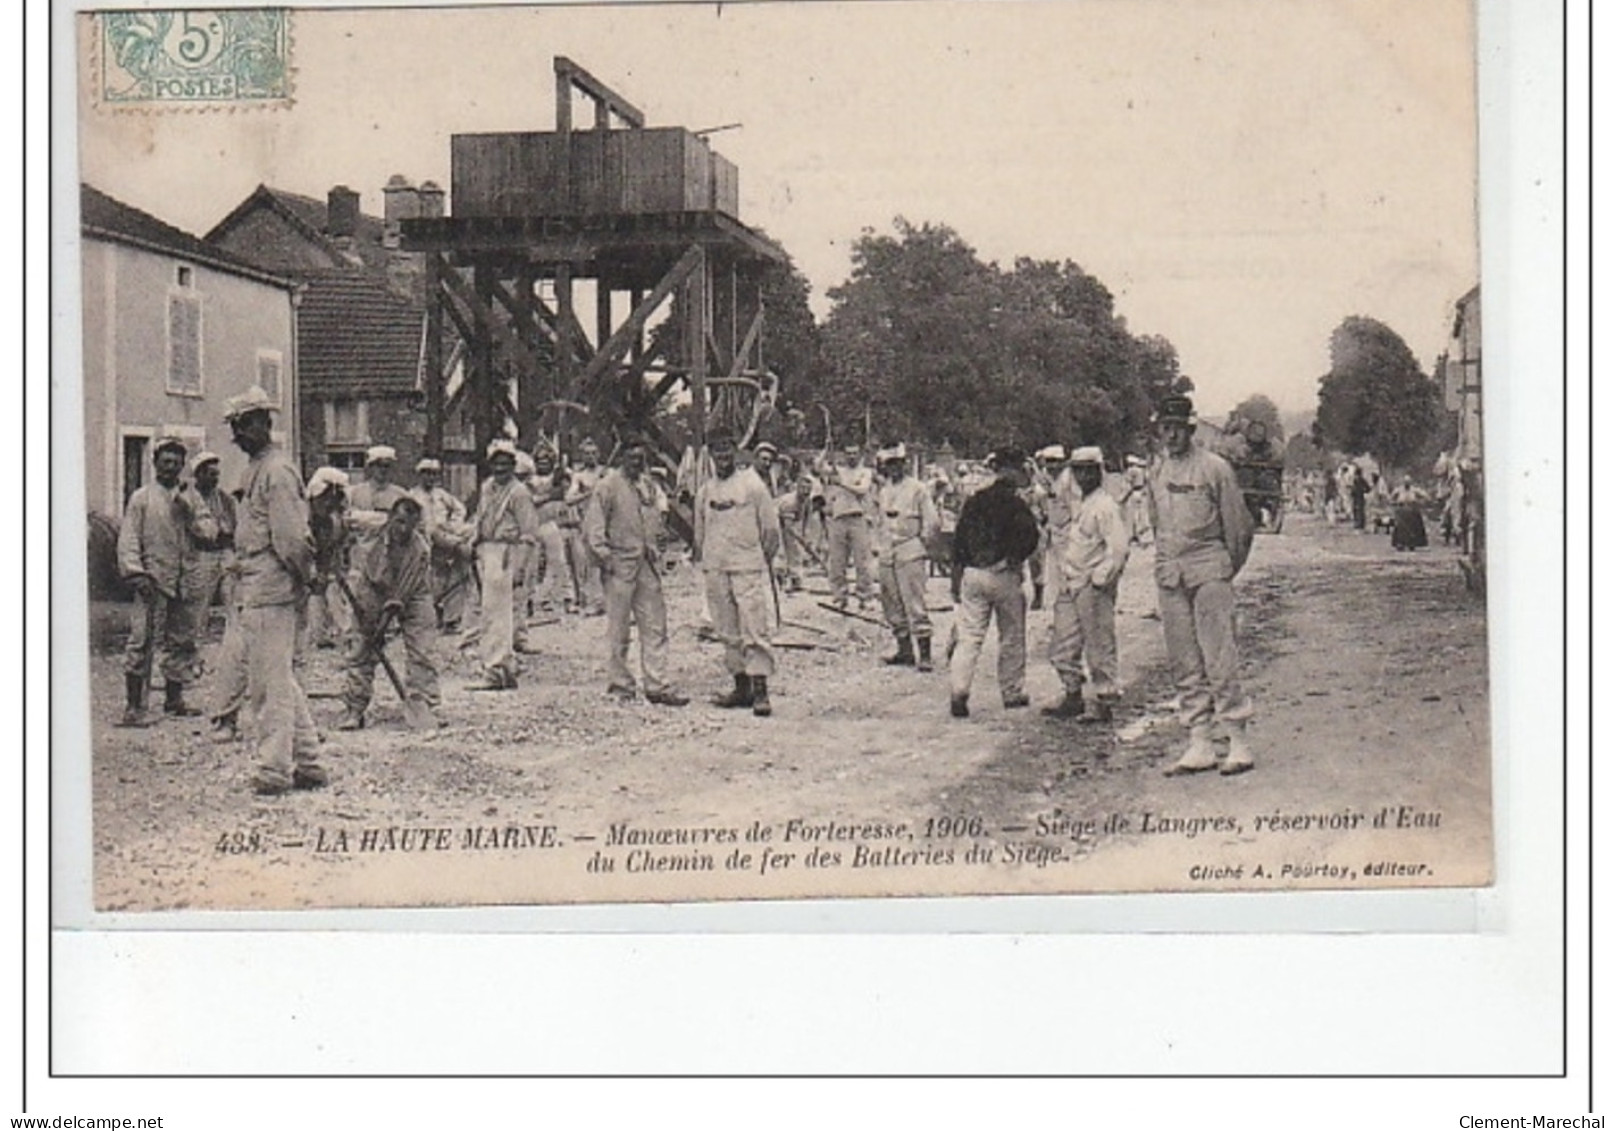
pixel 194 58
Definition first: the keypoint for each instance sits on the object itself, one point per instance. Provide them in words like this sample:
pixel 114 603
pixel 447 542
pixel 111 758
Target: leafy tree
pixel 927 342
pixel 1374 398
pixel 1260 409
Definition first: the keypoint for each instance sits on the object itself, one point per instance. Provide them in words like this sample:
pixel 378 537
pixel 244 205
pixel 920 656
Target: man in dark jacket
pixel 997 533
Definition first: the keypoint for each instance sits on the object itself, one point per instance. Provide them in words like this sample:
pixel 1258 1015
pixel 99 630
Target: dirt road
pixel 1367 666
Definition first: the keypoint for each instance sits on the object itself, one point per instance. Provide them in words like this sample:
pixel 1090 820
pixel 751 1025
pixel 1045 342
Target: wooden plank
pixel 433 355
pixel 480 303
pixel 567 338
pixel 617 344
pixel 568 71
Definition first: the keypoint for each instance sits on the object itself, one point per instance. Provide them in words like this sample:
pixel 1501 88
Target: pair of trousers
pixel 1085 625
pixel 849 538
pixel 283 730
pixel 591 594
pixel 199 586
pixel 637 601
pixel 902 597
pixel 743 618
pixel 556 588
pixel 451 577
pixel 230 666
pixel 496 620
pixel 990 595
pixel 1199 626
pixel 162 639
pixel 418 625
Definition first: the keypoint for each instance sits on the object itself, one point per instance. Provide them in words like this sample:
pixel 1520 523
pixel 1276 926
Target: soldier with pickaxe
pixel 392 583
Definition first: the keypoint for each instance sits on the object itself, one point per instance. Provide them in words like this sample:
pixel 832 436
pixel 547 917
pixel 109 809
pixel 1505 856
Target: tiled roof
pixel 356 338
pixel 311 216
pixel 109 218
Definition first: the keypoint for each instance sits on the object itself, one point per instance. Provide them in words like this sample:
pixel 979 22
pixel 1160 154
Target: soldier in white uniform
pixel 737 536
pixel 1203 534
pixel 905 523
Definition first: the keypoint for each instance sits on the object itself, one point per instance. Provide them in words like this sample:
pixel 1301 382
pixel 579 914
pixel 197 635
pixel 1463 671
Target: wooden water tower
pixel 650 214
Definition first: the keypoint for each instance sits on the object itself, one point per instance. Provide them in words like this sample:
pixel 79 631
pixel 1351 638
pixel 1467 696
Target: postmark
pixel 196 60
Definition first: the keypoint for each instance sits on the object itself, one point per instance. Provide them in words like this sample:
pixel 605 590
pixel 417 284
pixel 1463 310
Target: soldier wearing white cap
pixel 212 526
pixel 444 521
pixel 276 557
pixel 371 500
pixel 329 620
pixel 556 590
pixel 155 553
pixel 1203 534
pixel 1048 464
pixel 736 538
pixel 1090 550
pixel 506 526
pixel 906 522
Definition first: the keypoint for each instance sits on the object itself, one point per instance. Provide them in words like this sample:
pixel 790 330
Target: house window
pixel 182 276
pixel 185 342
pixel 269 366
pixel 347 422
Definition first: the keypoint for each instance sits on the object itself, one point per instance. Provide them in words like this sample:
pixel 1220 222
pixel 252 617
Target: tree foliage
pixel 1374 398
pixel 928 343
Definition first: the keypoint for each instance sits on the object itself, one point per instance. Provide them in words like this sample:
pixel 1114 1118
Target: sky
pixel 1242 174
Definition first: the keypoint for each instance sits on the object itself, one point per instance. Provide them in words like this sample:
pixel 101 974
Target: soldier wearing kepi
pixel 276 556
pixel 997 533
pixel 1089 551
pixel 155 553
pixel 1203 534
pixel 736 537
pixel 392 579
pixel 506 526
pixel 623 526
pixel 371 501
pixel 905 524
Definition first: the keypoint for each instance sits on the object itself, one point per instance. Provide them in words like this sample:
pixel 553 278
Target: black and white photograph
pixel 683 453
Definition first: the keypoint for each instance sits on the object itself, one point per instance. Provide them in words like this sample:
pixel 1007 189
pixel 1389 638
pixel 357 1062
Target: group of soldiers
pixel 374 557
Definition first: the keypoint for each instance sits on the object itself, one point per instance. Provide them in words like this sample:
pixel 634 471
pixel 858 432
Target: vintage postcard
pixel 665 453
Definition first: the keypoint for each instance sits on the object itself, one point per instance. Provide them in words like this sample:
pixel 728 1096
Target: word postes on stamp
pixel 198 59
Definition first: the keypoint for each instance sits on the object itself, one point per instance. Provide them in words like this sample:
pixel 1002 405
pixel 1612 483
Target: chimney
pixel 403 202
pixel 431 197
pixel 342 213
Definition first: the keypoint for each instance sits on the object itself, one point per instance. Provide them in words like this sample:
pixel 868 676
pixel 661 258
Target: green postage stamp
pixel 198 59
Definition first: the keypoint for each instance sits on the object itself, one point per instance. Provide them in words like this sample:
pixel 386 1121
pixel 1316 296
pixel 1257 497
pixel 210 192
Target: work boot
pixel 905 652
pixel 741 696
pixel 959 706
pixel 667 698
pixel 310 776
pixel 923 663
pixel 134 711
pixel 760 706
pixel 174 701
pixel 1198 757
pixel 1037 595
pixel 1099 711
pixel 1239 757
pixel 351 720
pixel 1014 702
pixel 224 729
pixel 1071 707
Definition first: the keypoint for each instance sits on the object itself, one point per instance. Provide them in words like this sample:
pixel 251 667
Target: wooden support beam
pixel 602 309
pixel 530 377
pixel 482 349
pixel 433 378
pixel 480 303
pixel 566 338
pixel 613 349
pixel 754 334
pixel 698 326
pixel 573 75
